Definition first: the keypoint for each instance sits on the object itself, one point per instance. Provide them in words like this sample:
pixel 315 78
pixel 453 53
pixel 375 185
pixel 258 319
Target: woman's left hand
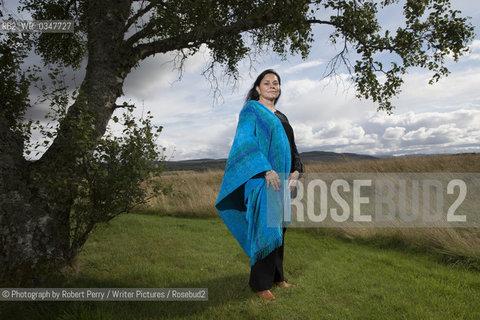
pixel 292 179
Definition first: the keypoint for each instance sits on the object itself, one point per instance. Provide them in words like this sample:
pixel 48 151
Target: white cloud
pixel 393 133
pixel 325 116
pixel 475 46
pixel 429 119
pixel 316 102
pixel 302 66
pixel 207 136
pixel 152 74
pixel 159 72
pixel 474 50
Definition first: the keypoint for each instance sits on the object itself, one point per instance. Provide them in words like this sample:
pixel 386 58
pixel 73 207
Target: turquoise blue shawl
pixel 254 214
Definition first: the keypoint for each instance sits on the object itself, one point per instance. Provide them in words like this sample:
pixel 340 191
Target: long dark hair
pixel 253 94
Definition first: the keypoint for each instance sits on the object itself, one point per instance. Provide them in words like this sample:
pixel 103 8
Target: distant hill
pixel 307 158
pixel 196 165
pixel 325 156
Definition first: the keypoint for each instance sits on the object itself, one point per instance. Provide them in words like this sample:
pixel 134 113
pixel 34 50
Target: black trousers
pixel 268 270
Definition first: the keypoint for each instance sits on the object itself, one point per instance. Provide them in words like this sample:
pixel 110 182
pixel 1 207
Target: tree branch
pixel 67 8
pixel 340 57
pixel 200 35
pixel 117 106
pixel 139 14
pixel 352 34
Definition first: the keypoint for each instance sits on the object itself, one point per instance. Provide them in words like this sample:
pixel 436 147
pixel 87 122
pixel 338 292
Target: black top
pixel 296 162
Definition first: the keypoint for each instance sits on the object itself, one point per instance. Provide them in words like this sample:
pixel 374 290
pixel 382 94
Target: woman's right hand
pixel 273 179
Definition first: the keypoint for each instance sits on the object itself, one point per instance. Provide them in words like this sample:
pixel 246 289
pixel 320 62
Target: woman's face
pixel 269 88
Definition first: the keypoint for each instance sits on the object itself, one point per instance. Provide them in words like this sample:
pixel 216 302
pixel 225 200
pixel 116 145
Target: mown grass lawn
pixel 335 279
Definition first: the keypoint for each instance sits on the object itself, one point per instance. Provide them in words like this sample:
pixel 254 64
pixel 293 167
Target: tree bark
pixel 34 209
pixel 24 223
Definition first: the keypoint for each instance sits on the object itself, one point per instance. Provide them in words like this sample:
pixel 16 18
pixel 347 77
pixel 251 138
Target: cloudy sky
pixel 443 118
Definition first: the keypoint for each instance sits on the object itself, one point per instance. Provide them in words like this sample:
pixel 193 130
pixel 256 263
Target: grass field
pixel 177 240
pixel 336 279
pixel 194 194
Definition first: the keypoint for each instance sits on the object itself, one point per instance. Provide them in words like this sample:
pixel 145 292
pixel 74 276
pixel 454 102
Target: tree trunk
pixel 25 224
pixel 36 197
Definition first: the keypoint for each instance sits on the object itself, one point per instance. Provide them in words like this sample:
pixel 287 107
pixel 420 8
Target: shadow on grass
pixel 223 290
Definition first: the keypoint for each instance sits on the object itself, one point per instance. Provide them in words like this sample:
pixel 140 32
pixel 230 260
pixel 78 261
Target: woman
pixel 262 168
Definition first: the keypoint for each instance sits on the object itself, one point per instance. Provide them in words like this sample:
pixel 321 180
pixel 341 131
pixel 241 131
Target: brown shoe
pixel 284 284
pixel 266 295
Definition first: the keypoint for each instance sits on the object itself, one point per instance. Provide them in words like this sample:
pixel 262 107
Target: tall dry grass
pixel 189 193
pixel 438 163
pixel 452 243
pixel 194 194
